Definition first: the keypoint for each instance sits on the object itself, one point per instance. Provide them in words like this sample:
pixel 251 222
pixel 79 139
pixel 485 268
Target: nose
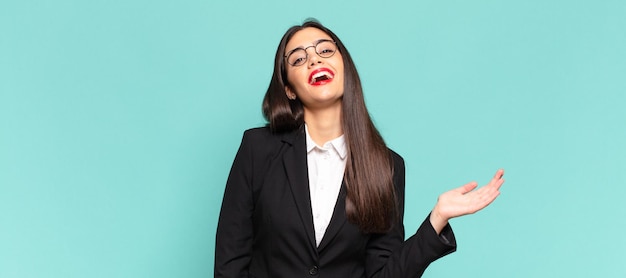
pixel 313 58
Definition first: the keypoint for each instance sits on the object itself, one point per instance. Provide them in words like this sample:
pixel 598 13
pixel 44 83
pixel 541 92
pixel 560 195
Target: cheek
pixel 295 77
pixel 339 66
pixel 292 84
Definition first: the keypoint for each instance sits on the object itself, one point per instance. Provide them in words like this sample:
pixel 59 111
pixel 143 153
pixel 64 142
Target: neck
pixel 323 125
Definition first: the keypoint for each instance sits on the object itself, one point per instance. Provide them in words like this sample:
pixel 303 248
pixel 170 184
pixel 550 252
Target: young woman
pixel 317 193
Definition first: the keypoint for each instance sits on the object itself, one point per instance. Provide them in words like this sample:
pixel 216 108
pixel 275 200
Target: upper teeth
pixel 320 74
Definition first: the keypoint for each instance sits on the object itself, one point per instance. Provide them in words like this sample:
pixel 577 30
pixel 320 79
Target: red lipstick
pixel 321 76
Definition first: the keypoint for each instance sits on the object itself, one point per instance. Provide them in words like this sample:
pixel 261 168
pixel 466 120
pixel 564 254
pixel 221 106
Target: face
pixel 318 82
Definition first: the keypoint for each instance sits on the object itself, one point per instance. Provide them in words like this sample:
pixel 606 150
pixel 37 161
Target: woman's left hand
pixel 465 200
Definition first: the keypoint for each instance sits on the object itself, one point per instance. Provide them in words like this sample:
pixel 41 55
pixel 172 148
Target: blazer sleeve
pixel 233 246
pixel 389 255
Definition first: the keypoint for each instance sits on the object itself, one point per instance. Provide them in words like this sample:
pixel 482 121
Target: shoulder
pixel 265 135
pixel 257 139
pixel 398 161
pixel 262 141
pixel 260 136
pixel 257 133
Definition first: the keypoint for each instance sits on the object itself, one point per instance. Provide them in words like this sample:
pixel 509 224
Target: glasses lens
pixel 326 49
pixel 297 57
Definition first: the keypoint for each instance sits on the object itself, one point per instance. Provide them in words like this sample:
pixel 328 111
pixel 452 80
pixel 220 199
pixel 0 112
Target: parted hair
pixel 371 198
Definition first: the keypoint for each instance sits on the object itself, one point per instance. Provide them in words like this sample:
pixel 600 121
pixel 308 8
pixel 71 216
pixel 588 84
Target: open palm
pixel 465 200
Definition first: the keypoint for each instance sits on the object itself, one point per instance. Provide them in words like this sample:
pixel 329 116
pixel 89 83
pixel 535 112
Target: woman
pixel 317 192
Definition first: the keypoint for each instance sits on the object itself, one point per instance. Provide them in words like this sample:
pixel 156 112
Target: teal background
pixel 119 121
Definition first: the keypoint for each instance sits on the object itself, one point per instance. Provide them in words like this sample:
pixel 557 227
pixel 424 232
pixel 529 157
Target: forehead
pixel 306 37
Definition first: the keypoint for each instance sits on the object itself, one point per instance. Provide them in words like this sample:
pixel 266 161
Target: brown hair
pixel 371 198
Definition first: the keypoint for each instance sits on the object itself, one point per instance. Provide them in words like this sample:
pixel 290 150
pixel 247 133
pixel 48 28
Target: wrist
pixel 437 221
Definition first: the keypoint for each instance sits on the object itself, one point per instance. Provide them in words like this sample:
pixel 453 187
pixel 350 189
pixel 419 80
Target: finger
pixel 497 179
pixel 493 185
pixel 499 174
pixel 467 187
pixel 482 192
pixel 485 200
pixel 499 184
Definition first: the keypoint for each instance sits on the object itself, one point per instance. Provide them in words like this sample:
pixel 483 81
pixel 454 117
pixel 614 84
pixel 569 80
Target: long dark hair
pixel 371 198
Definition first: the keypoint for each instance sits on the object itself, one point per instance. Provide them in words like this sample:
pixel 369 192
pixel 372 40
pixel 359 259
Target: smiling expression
pixel 319 81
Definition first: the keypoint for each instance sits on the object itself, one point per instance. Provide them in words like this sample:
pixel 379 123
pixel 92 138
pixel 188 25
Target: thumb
pixel 467 187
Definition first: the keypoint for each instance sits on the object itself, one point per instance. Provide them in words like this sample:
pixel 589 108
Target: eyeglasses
pixel 323 48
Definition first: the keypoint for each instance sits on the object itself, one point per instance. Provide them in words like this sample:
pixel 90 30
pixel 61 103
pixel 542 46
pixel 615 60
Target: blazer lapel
pixel 295 163
pixel 337 221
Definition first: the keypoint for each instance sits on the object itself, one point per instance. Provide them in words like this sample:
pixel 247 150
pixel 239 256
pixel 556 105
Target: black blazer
pixel 266 229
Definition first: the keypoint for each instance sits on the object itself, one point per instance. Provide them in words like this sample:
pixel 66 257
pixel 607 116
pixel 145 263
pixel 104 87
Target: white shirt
pixel 326 165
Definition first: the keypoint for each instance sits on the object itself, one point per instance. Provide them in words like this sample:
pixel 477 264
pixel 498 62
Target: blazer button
pixel 313 271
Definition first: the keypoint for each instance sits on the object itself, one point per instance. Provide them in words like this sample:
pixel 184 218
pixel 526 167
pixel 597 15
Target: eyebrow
pixel 302 47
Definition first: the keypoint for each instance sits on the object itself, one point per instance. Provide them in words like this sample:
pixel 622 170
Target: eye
pixel 326 48
pixel 297 61
pixel 297 57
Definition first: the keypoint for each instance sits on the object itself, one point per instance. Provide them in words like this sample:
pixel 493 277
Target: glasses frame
pixel 306 53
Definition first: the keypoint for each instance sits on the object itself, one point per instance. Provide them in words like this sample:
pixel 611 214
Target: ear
pixel 289 93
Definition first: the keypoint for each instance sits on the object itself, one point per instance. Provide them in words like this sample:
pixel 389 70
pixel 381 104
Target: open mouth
pixel 321 76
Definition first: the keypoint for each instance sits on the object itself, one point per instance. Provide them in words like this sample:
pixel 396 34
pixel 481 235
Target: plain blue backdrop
pixel 119 121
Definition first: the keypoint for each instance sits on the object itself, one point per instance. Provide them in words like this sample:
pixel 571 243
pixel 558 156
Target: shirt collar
pixel 338 144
